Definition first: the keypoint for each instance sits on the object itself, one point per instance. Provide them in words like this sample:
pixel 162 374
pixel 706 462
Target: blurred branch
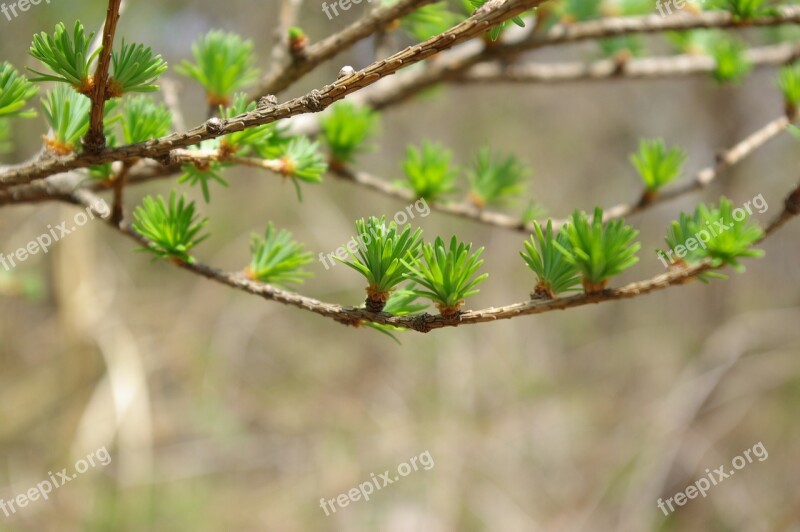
pixel 289 13
pixel 611 69
pixel 453 65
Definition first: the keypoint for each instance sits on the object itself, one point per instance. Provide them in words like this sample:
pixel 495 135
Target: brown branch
pixel 425 322
pixel 203 157
pixel 118 210
pixel 95 140
pixel 289 11
pixel 654 23
pixel 294 68
pixel 315 101
pixel 791 208
pixel 633 69
pixel 700 180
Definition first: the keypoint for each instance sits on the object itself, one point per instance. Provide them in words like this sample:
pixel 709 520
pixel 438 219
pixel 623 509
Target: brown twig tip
pixel 594 288
pixel 450 311
pixel 376 299
pixel 543 291
pixel 648 197
pixel 792 203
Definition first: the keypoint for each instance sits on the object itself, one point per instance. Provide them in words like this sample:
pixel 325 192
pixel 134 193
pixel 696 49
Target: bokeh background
pixel 222 411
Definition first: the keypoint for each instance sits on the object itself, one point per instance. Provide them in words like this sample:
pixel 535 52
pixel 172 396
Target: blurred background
pixel 222 411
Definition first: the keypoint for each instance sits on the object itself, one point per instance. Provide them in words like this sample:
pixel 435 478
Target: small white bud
pixel 346 71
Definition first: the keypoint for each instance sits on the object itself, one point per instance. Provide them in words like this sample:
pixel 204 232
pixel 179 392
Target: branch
pixel 617 26
pixel 700 180
pixel 315 101
pixel 632 69
pixel 95 139
pixel 454 64
pixel 725 159
pixel 288 15
pixel 203 157
pixel 293 69
pixel 426 322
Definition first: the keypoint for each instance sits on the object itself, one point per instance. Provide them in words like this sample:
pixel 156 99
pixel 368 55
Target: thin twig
pixel 452 65
pixel 95 140
pixel 700 180
pixel 203 157
pixel 289 12
pixel 424 322
pixel 117 210
pixel 611 69
pixel 294 69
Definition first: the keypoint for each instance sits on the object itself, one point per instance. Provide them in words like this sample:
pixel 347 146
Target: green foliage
pixel 143 119
pixel 745 9
pixel 346 128
pixel 248 140
pixel 679 232
pixel 223 65
pixel 67 114
pixel 599 251
pixel 735 242
pixel 789 84
pixel 580 10
pixel 15 91
pixel 555 274
pixel 276 258
pixel 428 170
pixel 302 161
pixel 532 212
pixel 720 238
pixel 204 173
pixel 5 136
pixel 495 178
pixel 495 31
pixel 429 21
pixel 382 255
pixel 657 165
pixel 694 41
pixel 447 275
pixel 296 33
pixel 173 229
pixel 613 46
pixel 134 69
pixel 731 63
pixel 69 58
